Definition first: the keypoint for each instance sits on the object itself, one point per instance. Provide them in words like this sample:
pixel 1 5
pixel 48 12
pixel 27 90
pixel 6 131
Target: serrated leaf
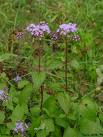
pixel 18 113
pixel 64 101
pixel 51 106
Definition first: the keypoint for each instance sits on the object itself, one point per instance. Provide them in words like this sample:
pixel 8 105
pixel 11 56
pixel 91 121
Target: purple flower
pixel 55 36
pixel 3 96
pixel 19 35
pixel 17 78
pixel 76 38
pixel 44 27
pixel 38 30
pixel 20 127
pixel 64 29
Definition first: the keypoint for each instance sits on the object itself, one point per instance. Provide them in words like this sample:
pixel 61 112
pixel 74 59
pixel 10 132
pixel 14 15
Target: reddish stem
pixel 42 87
pixel 66 67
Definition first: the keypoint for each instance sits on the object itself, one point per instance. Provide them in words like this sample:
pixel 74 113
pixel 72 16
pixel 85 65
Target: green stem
pixel 66 67
pixel 42 98
pixel 39 65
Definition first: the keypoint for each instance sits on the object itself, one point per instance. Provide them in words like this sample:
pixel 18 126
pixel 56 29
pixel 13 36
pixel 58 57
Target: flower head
pixel 17 78
pixel 64 29
pixel 38 30
pixel 20 127
pixel 55 36
pixel 76 38
pixel 19 35
pixel 3 96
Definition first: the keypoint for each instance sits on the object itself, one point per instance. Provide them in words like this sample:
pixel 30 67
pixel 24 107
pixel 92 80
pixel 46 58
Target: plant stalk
pixel 66 67
pixel 42 86
pixel 42 98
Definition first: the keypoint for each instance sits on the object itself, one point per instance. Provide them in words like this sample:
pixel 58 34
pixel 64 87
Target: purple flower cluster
pixel 20 127
pixel 38 30
pixel 3 96
pixel 76 38
pixel 64 29
pixel 17 78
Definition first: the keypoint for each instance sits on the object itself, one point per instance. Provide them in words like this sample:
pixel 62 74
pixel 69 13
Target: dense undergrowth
pixel 51 86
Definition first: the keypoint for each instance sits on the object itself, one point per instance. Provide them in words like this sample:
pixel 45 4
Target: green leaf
pixel 101 117
pixel 4 131
pixel 24 95
pixel 57 132
pixel 35 111
pixel 8 104
pixel 62 122
pixel 38 78
pixel 64 101
pixel 41 133
pixel 50 106
pixel 2 117
pixel 54 62
pixel 55 86
pixel 73 114
pixel 90 127
pixel 11 125
pixel 18 113
pixel 22 84
pixel 70 132
pixel 88 109
pixel 20 2
pixel 35 122
pixel 75 64
pixel 49 123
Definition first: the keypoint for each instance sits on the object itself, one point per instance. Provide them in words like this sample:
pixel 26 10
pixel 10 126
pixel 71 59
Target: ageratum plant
pixel 38 33
pixel 66 32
